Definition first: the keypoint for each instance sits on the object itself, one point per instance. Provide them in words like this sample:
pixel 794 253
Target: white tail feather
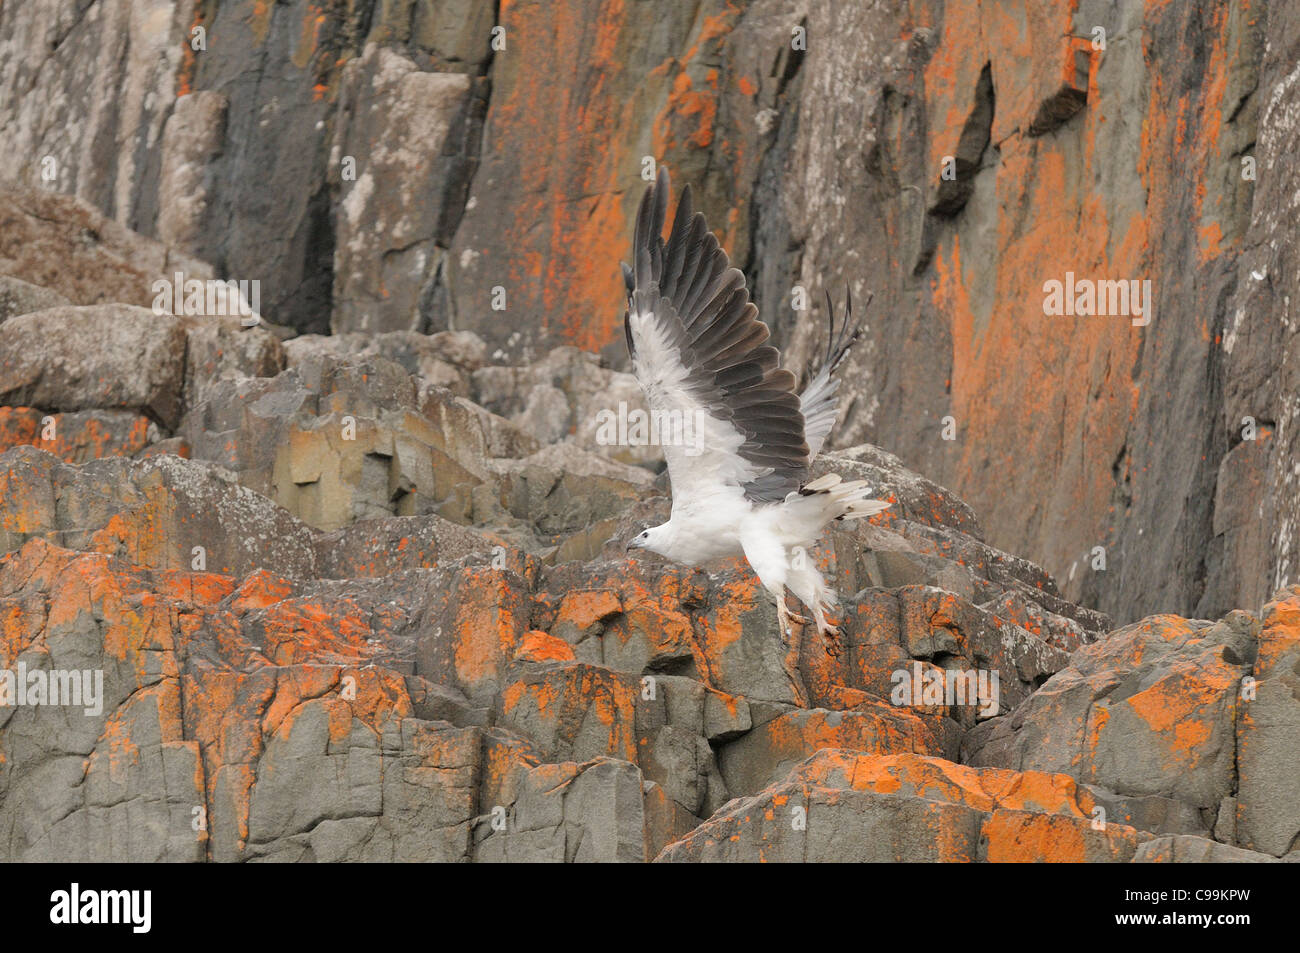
pixel 863 508
pixel 824 482
pixel 852 501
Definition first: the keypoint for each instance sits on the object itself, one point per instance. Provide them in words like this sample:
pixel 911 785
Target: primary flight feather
pixel 700 352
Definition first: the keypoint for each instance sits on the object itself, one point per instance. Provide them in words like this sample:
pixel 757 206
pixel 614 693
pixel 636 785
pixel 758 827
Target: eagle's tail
pixel 843 501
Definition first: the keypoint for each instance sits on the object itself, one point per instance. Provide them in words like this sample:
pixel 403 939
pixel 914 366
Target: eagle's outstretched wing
pixel 818 401
pixel 701 355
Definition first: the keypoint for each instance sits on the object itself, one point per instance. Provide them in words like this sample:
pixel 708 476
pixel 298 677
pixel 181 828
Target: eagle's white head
pixel 657 539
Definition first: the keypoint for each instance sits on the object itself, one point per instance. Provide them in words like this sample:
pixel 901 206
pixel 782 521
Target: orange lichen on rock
pixel 574 711
pixel 543 647
pixel 875 728
pixel 1279 641
pixel 585 609
pixel 487 622
pixel 984 789
pixel 74 439
pixel 1023 837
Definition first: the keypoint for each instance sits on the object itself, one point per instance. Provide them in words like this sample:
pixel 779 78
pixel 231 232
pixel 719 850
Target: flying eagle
pixel 700 353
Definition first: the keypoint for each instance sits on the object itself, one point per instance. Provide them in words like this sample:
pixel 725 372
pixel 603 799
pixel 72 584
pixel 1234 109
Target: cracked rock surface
pixel 350 585
pixel 347 605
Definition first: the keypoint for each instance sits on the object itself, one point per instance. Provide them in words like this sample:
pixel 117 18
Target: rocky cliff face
pixel 345 605
pixel 953 157
pixel 354 583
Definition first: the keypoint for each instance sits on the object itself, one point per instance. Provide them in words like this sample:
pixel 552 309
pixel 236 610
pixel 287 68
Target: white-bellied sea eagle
pixel 700 353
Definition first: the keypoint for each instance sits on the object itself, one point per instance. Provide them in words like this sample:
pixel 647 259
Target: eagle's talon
pixel 830 634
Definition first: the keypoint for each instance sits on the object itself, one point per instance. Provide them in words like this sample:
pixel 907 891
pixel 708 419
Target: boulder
pixel 19 297
pixel 850 806
pixel 110 356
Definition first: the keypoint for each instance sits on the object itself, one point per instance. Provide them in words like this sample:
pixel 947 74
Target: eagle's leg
pixel 783 617
pixel 830 633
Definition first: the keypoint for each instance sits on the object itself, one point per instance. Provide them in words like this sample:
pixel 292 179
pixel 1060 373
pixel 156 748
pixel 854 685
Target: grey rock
pixel 1189 849
pixel 593 814
pixel 105 356
pixel 1268 736
pixel 1159 815
pixel 1147 711
pixel 219 348
pixel 192 142
pixel 67 246
pixel 400 198
pixel 156 511
pixel 19 297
